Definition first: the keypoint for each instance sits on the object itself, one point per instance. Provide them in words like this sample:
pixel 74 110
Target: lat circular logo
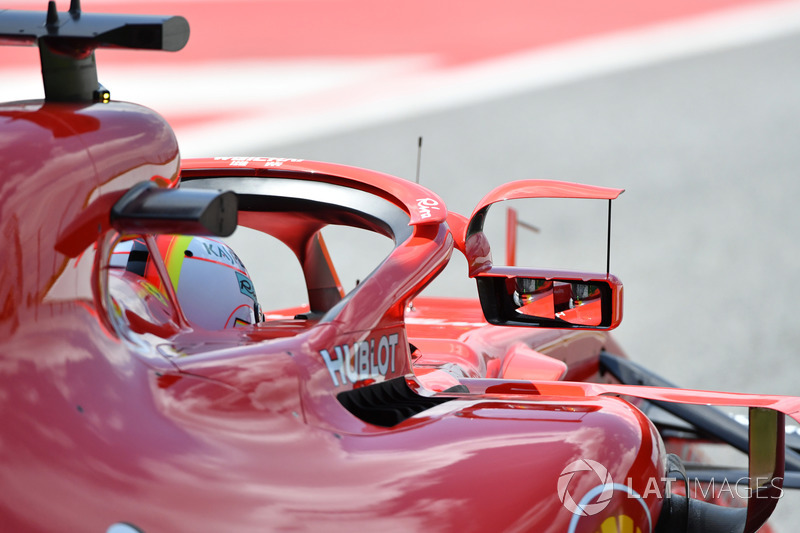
pixel 605 481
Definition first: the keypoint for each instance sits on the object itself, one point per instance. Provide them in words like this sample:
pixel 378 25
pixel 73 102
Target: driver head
pixel 212 284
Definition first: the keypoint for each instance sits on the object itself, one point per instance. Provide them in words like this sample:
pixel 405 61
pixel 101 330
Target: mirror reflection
pixel 572 302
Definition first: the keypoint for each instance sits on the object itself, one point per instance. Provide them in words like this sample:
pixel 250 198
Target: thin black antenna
pixel 419 156
pixel 608 243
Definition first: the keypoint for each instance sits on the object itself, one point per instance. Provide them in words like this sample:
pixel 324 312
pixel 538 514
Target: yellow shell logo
pixel 619 524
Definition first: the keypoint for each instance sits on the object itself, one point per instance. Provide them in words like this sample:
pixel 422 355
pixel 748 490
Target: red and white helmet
pixel 211 282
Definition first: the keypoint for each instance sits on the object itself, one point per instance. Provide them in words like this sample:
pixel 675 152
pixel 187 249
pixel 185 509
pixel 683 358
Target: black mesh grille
pixel 386 403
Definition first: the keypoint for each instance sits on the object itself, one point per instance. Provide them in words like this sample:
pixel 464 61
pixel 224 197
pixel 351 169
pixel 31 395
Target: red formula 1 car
pixel 144 388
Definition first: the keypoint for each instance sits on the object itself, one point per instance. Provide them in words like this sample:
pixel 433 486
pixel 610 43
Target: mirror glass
pixel 573 302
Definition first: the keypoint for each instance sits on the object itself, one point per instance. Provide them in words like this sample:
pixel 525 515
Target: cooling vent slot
pixel 387 403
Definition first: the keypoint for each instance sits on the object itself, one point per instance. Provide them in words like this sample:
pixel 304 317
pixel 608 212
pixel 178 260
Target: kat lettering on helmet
pixel 215 251
pixel 368 359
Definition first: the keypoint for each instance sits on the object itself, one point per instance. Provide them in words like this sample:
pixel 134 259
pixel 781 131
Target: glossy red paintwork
pixel 108 426
pixel 116 409
pixel 61 159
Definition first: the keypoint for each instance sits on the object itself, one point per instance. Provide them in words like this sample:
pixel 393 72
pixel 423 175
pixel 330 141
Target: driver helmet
pixel 212 284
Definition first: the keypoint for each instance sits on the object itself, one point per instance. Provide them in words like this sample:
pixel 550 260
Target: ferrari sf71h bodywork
pixel 374 408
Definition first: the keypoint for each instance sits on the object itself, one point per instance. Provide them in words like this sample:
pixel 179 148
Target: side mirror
pixel 146 208
pixel 548 299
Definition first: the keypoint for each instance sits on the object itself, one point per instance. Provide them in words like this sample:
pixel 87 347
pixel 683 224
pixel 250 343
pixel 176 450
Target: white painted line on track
pixel 239 107
pixel 422 91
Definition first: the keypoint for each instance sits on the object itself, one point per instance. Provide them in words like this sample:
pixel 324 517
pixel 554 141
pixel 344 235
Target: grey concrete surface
pixel 706 235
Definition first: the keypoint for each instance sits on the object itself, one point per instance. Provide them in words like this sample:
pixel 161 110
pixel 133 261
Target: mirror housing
pixel 146 208
pixel 513 296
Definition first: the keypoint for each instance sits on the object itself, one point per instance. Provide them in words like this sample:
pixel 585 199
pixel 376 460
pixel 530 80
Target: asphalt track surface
pixel 705 238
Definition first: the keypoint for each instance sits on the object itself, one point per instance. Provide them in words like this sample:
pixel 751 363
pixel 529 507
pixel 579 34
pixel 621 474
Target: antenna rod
pixel 419 156
pixel 608 243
